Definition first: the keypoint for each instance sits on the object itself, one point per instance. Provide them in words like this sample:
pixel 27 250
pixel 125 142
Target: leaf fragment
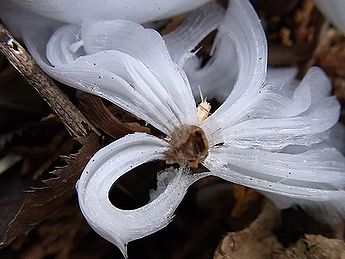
pixel 37 204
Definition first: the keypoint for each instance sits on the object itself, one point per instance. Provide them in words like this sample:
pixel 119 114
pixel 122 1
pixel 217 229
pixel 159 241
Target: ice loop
pixel 270 133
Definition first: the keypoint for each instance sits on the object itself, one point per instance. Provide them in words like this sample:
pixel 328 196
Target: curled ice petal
pixel 156 90
pixel 71 11
pixel 314 87
pixel 184 39
pixel 283 79
pixel 280 76
pixel 147 46
pixel 109 164
pixel 243 27
pixel 310 179
pixel 319 165
pixel 217 78
pixel 304 120
pixel 58 49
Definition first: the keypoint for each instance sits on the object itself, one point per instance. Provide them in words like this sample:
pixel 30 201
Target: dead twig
pixel 75 122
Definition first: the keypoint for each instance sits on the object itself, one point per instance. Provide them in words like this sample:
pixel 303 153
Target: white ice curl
pixel 109 164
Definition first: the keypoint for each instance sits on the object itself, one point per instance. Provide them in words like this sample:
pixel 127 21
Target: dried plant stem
pixel 75 122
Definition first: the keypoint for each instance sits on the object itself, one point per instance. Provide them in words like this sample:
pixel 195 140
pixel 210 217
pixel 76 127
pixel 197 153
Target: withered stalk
pixel 74 121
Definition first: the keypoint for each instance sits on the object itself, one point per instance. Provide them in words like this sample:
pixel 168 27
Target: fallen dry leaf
pixel 38 203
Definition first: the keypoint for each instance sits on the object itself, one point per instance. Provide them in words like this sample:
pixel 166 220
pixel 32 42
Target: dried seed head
pixel 203 109
pixel 188 146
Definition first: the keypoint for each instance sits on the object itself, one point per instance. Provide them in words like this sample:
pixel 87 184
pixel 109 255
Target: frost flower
pixel 267 134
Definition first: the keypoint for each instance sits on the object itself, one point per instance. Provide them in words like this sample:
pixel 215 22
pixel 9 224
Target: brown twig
pixel 75 122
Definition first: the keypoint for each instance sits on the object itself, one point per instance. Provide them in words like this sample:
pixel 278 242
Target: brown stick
pixel 74 121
